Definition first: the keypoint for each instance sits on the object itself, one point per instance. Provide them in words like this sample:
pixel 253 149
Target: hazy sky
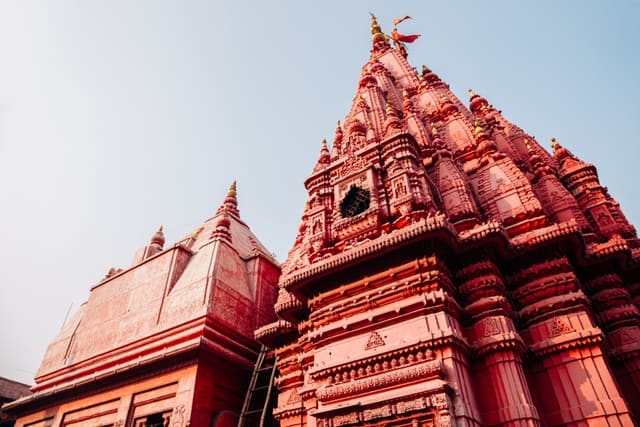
pixel 119 116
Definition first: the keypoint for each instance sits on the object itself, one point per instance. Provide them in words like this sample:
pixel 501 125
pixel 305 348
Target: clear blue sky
pixel 119 116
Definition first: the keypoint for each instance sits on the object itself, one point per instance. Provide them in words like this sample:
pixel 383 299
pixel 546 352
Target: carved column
pixel 619 317
pixel 570 379
pixel 501 386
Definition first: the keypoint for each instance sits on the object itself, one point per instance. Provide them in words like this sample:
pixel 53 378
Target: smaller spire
pixel 407 104
pixel 157 239
pixel 425 70
pixel 231 201
pixel 392 123
pixel 555 145
pixel 337 140
pixel 477 103
pixel 537 164
pixel 324 158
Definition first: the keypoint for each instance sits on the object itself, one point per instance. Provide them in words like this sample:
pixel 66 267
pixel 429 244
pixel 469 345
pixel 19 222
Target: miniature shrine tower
pixel 448 271
pixel 166 342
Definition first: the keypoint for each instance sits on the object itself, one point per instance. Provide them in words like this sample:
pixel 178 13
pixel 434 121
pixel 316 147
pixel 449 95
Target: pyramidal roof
pixel 410 158
pixel 211 285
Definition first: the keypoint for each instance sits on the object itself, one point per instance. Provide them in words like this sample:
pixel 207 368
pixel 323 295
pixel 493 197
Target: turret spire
pixel 324 158
pixel 157 239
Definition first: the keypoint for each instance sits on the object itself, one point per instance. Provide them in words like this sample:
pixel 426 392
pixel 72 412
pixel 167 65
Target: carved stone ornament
pixel 177 419
pixel 559 327
pixel 375 340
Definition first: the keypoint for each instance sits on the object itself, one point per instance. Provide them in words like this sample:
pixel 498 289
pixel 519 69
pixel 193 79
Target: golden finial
pixel 425 70
pixel 555 144
pixel 339 123
pixel 376 31
pixel 197 232
pixel 232 189
pixel 160 231
pixel 471 93
pixel 375 27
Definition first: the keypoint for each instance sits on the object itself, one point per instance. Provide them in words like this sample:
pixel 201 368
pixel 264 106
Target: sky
pixel 119 116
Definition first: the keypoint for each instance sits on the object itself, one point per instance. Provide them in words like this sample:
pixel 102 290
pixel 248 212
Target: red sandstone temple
pixel 447 271
pixel 166 342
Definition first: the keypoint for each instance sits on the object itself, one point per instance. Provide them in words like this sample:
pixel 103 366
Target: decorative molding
pixel 424 370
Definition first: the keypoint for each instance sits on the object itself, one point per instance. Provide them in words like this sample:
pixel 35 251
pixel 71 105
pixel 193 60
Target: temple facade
pixel 166 342
pixel 449 271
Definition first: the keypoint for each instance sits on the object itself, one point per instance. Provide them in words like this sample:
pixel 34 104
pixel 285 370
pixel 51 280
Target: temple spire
pixel 324 158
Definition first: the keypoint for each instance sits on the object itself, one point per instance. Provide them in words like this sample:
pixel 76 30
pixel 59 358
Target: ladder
pixel 258 400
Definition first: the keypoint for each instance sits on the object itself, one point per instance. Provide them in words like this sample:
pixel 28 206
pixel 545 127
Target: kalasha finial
pixel 158 238
pixel 471 93
pixel 425 70
pixel 376 31
pixel 555 144
pixel 337 138
pixel 232 189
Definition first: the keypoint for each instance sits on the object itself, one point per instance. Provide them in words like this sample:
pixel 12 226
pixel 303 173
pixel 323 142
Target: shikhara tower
pixel 449 271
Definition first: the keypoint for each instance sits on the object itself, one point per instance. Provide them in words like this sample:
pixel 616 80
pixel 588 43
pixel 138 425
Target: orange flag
pixel 399 20
pixel 406 38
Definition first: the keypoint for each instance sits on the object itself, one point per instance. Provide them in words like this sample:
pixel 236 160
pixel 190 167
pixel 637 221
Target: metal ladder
pixel 259 393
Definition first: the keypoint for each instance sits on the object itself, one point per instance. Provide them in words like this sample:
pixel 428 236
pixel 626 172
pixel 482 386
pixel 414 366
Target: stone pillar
pixel 570 379
pixel 501 386
pixel 619 317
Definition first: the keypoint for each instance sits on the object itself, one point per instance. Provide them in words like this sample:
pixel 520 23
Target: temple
pixel 167 341
pixel 448 271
